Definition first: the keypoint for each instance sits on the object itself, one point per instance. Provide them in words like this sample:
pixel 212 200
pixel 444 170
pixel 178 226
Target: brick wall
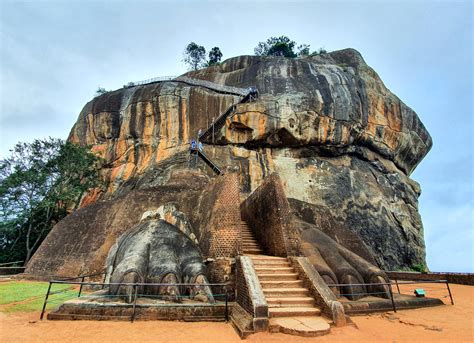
pixel 241 289
pixel 268 213
pixel 223 227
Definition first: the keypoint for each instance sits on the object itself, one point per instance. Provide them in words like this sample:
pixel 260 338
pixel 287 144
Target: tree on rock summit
pixel 194 56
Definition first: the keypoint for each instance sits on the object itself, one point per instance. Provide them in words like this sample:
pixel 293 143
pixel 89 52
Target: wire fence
pixel 88 290
pixel 403 287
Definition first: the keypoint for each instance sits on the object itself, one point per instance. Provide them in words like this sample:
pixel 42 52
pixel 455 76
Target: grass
pixel 27 296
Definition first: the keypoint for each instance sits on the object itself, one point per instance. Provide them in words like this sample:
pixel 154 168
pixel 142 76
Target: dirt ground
pixel 437 324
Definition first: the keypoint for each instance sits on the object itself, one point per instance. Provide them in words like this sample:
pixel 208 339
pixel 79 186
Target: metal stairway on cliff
pixel 252 94
pixel 203 156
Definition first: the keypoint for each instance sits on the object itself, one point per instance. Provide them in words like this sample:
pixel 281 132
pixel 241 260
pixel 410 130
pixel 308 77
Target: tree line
pixel 194 55
pixel 40 183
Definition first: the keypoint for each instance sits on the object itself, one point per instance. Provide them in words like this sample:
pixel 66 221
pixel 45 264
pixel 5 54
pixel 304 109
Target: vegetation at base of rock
pixel 215 56
pixel 40 183
pixel 25 296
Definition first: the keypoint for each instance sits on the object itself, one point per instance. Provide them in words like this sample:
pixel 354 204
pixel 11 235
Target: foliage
pixel 303 50
pixel 39 184
pixel 215 56
pixel 100 91
pixel 194 56
pixel 319 52
pixel 420 268
pixel 276 46
pixel 27 296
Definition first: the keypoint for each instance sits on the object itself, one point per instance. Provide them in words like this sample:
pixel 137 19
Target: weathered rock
pixel 156 252
pixel 342 143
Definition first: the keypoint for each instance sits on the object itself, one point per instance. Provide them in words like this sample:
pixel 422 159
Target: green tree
pixel 100 91
pixel 194 56
pixel 303 50
pixel 276 46
pixel 40 183
pixel 215 56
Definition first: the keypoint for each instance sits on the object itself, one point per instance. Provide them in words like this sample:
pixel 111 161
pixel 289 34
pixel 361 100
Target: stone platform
pixel 102 308
pixel 375 304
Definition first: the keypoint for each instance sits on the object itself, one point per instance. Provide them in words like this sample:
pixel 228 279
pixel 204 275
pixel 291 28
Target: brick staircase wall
pixel 267 212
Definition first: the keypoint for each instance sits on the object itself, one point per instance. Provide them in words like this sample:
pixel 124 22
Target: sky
pixel 55 54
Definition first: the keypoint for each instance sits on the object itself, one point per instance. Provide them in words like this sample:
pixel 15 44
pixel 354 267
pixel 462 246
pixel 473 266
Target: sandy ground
pixel 437 324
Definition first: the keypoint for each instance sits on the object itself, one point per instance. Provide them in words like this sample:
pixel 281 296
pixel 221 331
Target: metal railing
pixel 152 80
pixel 11 268
pixel 390 291
pixel 135 293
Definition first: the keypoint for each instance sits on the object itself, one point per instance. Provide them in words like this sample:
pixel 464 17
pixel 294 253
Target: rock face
pixel 343 145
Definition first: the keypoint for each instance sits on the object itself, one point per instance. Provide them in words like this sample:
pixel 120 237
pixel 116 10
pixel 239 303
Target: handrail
pixel 397 283
pixel 7 263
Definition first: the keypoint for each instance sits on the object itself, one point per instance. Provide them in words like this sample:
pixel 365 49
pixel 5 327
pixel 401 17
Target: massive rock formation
pixel 342 143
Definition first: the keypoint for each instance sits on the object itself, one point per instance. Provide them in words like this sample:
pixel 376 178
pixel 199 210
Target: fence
pixel 135 288
pixel 11 268
pixel 389 285
pixel 152 80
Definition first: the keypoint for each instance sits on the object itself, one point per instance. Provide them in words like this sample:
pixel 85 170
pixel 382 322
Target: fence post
pixel 80 288
pixel 135 288
pixel 450 295
pixel 103 281
pixel 226 307
pixel 45 301
pixel 398 288
pixel 391 297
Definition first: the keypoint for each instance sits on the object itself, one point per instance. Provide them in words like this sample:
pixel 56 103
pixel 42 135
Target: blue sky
pixel 54 55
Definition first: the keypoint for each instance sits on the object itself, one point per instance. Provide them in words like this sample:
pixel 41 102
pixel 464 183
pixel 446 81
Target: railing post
pixel 135 288
pixel 391 297
pixel 45 301
pixel 398 288
pixel 450 295
pixel 103 281
pixel 226 308
pixel 80 288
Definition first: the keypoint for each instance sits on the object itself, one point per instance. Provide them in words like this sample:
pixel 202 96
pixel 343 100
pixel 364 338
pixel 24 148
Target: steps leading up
pixel 250 244
pixel 290 307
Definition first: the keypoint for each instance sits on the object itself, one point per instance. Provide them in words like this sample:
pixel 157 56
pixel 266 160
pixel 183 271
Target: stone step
pixel 300 326
pixel 248 236
pixel 277 277
pixel 281 284
pixel 250 243
pixel 249 240
pixel 290 302
pixel 276 270
pixel 293 311
pixel 270 265
pixel 270 258
pixel 252 251
pixel 285 292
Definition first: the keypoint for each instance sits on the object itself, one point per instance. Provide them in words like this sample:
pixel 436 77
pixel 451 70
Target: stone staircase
pixel 250 245
pixel 290 307
pixel 284 291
